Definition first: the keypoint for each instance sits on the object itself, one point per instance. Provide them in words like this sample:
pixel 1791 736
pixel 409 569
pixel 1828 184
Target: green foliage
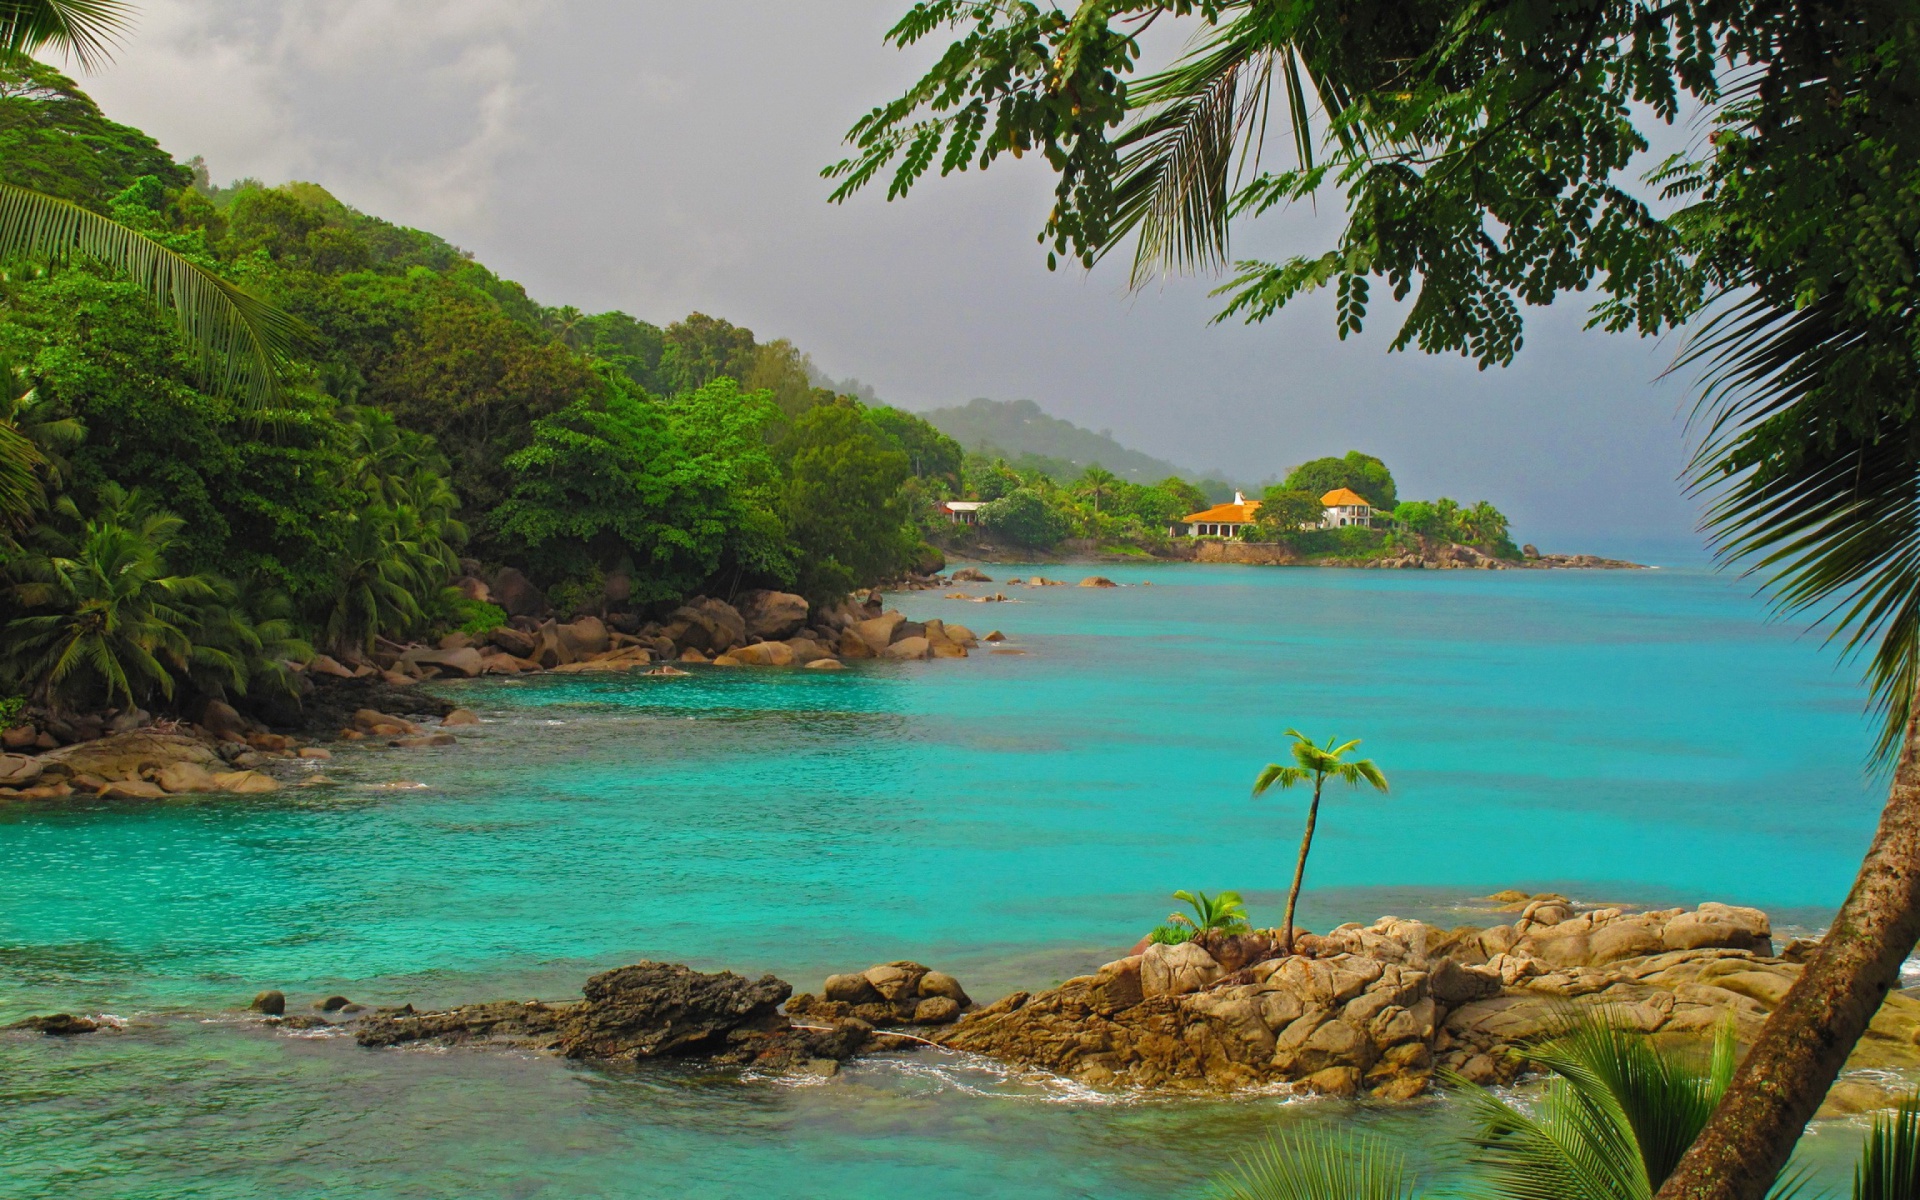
pixel 11 709
pixel 106 618
pixel 1889 1166
pixel 1617 1115
pixel 1352 542
pixel 55 140
pixel 930 453
pixel 1285 511
pixel 1226 912
pixel 1362 473
pixel 843 505
pixel 1024 518
pixel 1310 1166
pixel 1170 935
pixel 476 618
pixel 701 349
pixel 609 482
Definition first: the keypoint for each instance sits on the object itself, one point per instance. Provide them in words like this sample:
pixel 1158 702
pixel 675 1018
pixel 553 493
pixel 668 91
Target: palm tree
pixel 1315 765
pixel 1617 1114
pixel 1097 483
pixel 1226 912
pixel 238 339
pixel 106 617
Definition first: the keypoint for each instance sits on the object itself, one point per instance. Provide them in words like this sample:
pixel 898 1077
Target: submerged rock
pixel 58 1025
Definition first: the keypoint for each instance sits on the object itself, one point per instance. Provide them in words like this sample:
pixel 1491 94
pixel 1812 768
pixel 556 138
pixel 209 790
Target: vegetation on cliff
pixel 171 539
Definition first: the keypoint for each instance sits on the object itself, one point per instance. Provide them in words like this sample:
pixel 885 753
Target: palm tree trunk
pixel 1807 1039
pixel 1300 868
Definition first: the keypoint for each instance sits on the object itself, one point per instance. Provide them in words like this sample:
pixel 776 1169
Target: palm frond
pixel 239 340
pixel 1319 1166
pixel 1815 490
pixel 83 29
pixel 1274 773
pixel 1889 1166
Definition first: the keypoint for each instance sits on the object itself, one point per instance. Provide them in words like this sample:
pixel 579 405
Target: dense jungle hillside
pixel 435 412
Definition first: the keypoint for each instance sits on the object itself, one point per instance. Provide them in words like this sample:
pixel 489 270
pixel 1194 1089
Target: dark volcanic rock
pixel 512 1020
pixel 652 1009
pixel 58 1025
pixel 648 1010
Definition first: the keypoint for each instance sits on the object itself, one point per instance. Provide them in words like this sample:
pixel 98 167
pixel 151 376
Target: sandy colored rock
pixel 322 664
pixel 826 664
pixel 772 616
pixel 852 646
pixel 909 649
pixel 245 783
pixel 461 716
pixel 1097 581
pixel 132 789
pixel 186 777
pixel 584 637
pixel 877 633
pixel 125 756
pixel 465 661
pixel 764 654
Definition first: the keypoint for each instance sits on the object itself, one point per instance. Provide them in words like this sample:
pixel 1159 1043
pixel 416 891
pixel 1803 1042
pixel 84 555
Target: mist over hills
pixel 1029 439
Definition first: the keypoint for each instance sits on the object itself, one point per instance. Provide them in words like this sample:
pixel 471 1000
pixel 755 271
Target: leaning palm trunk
pixel 1300 871
pixel 1807 1039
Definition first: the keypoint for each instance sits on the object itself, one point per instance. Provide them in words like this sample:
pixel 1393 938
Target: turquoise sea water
pixel 1013 818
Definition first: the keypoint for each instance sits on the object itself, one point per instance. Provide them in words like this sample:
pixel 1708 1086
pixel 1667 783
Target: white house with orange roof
pixel 1344 506
pixel 1222 520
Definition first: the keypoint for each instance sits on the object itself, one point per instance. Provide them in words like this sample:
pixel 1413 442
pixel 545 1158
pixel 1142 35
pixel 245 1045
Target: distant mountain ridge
pixel 1020 432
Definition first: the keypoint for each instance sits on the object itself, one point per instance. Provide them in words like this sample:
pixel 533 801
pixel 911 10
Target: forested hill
pixel 437 421
pixel 1029 439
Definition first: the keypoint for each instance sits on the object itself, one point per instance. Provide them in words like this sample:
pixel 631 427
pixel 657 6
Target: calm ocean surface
pixel 1012 818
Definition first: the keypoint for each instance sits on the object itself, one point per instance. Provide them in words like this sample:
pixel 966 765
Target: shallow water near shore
pixel 1012 818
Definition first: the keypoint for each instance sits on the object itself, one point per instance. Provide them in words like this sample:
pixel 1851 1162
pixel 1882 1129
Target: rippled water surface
pixel 1013 818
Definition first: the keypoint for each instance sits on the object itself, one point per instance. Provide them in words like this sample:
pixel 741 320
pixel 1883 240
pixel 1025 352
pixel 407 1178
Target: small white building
pixel 963 512
pixel 1346 507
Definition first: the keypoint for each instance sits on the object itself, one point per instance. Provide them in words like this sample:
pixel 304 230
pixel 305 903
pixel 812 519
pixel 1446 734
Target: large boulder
pixel 908 649
pixel 516 594
pixel 764 654
pixel 585 637
pixel 705 624
pixel 129 756
pixel 772 616
pixel 895 993
pixel 464 661
pixel 1175 970
pixel 517 642
pixel 877 632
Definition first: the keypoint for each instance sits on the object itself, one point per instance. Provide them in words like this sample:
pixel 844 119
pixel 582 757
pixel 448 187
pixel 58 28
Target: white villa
pixel 963 512
pixel 1345 507
pixel 1342 507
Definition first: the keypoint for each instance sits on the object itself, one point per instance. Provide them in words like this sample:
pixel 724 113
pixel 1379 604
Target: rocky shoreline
pixel 132 756
pixel 1385 1011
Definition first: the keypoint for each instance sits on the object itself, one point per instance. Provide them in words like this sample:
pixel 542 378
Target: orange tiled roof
pixel 1344 498
pixel 1224 514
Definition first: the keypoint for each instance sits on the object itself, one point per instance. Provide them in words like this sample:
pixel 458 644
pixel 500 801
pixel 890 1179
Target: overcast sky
pixel 663 158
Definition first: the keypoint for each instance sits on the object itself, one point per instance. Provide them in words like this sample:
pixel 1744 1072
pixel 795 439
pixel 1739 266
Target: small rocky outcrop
pixel 58 1025
pixel 1380 1008
pixel 644 1011
pixel 895 993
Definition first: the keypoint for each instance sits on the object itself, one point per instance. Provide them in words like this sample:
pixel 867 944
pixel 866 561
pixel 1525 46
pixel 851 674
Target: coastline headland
pixel 1387 1010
